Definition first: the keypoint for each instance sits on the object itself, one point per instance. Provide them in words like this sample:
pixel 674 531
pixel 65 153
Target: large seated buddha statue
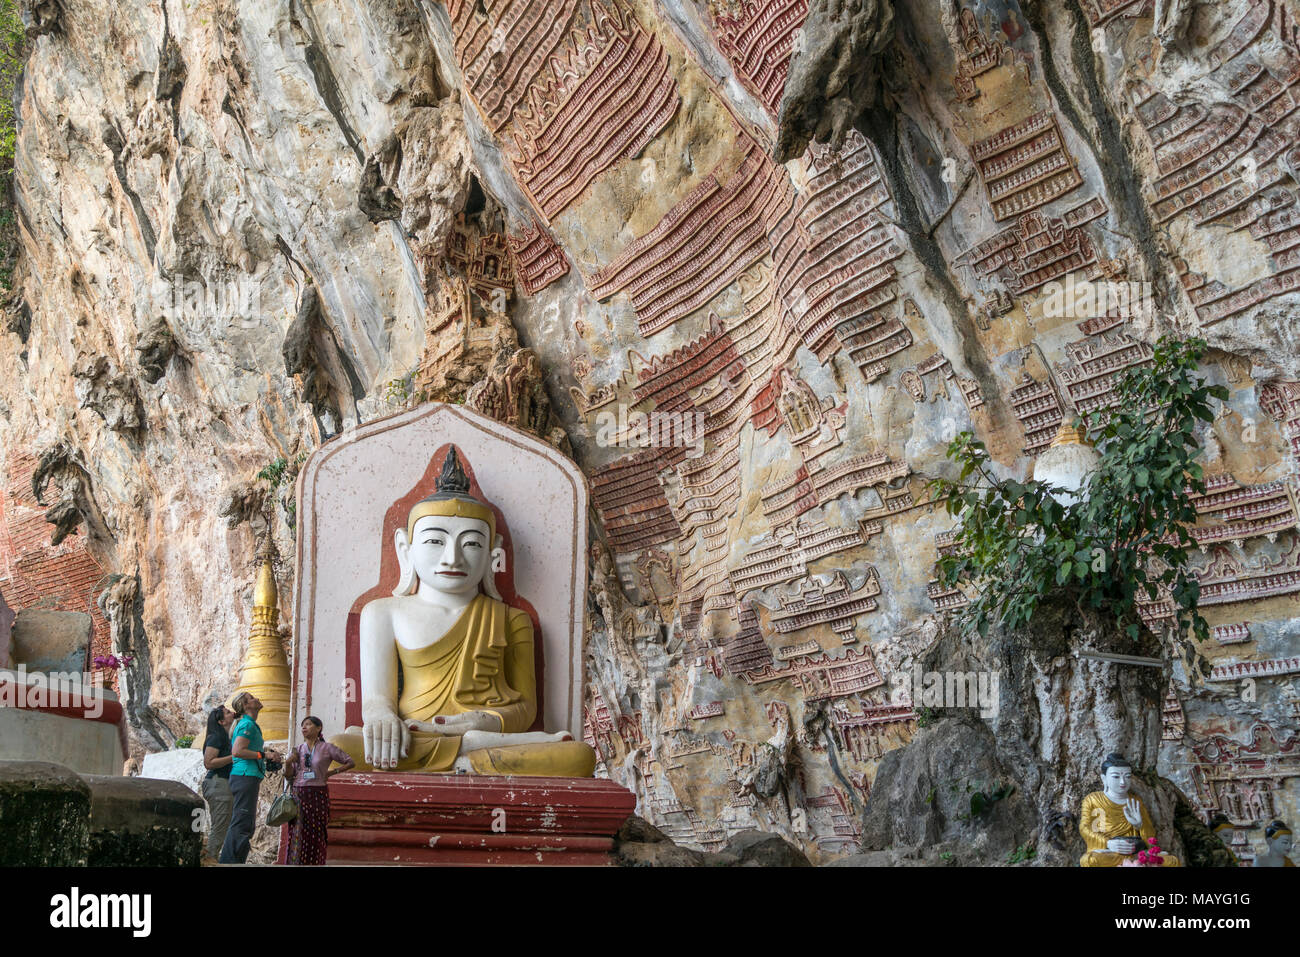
pixel 1114 824
pixel 468 678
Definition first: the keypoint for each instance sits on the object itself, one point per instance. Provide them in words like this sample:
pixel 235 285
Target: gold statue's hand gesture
pixel 1133 812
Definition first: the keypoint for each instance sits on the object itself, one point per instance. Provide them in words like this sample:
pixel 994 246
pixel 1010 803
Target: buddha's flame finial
pixel 453 481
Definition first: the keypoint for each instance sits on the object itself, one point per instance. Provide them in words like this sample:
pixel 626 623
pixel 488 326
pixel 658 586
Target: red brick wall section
pixel 35 574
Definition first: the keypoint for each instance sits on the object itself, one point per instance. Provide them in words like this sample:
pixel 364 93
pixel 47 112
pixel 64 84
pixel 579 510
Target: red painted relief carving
pixel 1270 668
pixel 1039 412
pixel 1231 512
pixel 787 555
pixel 1281 401
pixel 539 261
pixel 484 259
pixel 1025 166
pixel 824 677
pixel 1226 580
pixel 1091 367
pixel 605 95
pixel 943 597
pixel 966 387
pixel 699 247
pixel 632 502
pixel 746 650
pixel 1034 252
pixel 1242 35
pixel 1085 212
pixel 1103 11
pixel 757 38
pixel 503 45
pixel 833 252
pixel 1226 163
pixel 1231 634
pixel 1173 721
pixel 1240 779
pixel 668 379
pixel 832 603
pixel 975 54
pixel 845 829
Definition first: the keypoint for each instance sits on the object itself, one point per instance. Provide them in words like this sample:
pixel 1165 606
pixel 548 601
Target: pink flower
pixel 112 662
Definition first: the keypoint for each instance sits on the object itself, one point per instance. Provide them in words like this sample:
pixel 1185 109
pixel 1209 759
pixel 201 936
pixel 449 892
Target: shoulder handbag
pixel 283 809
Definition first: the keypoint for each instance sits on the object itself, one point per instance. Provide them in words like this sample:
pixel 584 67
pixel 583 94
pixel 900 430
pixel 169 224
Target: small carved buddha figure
pixel 1114 824
pixel 1278 838
pixel 469 680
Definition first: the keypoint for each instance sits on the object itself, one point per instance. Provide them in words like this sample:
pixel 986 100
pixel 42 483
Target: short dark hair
pixel 1115 760
pixel 1276 828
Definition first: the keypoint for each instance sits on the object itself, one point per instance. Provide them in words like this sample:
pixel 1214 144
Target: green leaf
pixel 1063 573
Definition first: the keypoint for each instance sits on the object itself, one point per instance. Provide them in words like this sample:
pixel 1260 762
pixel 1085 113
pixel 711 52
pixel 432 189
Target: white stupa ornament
pixel 1068 462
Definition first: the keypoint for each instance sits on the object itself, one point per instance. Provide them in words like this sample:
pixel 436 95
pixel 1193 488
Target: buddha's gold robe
pixel 1102 820
pixel 484 662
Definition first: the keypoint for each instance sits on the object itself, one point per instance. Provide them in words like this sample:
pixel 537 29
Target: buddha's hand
pixel 458 724
pixel 1133 812
pixel 1121 845
pixel 386 739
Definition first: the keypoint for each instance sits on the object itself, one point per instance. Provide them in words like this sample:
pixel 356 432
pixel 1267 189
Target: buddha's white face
pixel 1115 781
pixel 1280 844
pixel 450 553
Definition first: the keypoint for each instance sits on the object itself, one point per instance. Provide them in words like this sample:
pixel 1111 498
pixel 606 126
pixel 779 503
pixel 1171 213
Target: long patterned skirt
pixel 308 834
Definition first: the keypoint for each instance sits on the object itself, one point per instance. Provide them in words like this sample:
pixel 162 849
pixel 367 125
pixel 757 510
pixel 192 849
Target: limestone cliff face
pixel 796 245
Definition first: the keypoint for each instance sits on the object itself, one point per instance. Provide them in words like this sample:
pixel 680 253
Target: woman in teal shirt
pixel 246 773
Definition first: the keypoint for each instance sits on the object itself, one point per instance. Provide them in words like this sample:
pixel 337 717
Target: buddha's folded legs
pixel 537 758
pixel 558 759
pixel 1101 859
pixel 1111 859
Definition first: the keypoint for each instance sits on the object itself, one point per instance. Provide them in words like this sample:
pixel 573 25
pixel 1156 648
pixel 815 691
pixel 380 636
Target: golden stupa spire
pixel 266 668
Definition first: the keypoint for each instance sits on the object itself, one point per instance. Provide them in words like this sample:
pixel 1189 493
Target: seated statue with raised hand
pixel 466 659
pixel 1114 823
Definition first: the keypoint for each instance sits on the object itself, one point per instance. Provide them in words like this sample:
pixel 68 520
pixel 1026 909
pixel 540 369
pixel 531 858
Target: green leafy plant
pixel 925 717
pixel 283 472
pixel 13 55
pixel 402 392
pixel 273 474
pixel 183 742
pixel 1125 540
pixel 1024 852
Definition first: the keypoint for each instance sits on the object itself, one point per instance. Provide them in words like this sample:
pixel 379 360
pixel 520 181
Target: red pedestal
pixel 471 819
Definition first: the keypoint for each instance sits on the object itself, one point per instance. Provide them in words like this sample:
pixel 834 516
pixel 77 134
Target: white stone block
pixel 183 765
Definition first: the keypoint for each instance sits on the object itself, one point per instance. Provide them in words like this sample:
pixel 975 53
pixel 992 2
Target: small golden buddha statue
pixel 1115 826
pixel 469 679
